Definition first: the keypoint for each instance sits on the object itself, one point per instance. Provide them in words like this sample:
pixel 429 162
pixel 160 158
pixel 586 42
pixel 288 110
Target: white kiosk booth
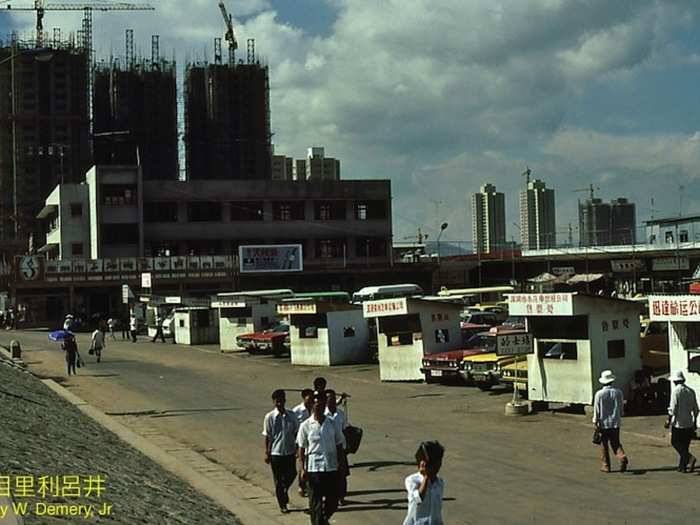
pixel 576 337
pixel 196 325
pixel 246 312
pixel 410 328
pixel 325 329
pixel 682 312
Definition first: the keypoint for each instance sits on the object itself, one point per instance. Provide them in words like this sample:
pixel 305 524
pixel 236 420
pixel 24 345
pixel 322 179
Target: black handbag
pixel 597 437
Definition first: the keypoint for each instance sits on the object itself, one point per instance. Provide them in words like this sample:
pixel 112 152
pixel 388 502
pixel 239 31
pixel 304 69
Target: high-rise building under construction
pixel 135 116
pixel 44 136
pixel 227 121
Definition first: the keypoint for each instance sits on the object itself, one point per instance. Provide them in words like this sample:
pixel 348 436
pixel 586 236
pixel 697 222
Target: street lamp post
pixel 443 226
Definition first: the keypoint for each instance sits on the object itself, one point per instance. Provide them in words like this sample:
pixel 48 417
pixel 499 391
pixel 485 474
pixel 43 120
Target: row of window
pixel 254 211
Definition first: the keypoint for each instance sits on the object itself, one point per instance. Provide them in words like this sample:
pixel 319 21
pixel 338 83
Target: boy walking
pixel 280 428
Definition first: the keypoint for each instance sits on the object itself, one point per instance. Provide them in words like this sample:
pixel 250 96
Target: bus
pixel 372 293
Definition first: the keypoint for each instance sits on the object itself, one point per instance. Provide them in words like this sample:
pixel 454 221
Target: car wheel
pixel 484 387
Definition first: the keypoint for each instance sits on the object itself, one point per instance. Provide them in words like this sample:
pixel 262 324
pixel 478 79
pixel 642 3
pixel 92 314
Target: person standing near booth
pixel 607 418
pixel 682 418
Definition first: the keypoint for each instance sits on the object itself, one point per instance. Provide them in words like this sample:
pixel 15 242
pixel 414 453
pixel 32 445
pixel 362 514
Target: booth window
pixel 309 325
pixel 349 331
pixel 399 330
pixel 557 350
pixel 559 327
pixel 200 318
pixel 616 349
pixel 308 332
pixel 691 341
pixel 442 335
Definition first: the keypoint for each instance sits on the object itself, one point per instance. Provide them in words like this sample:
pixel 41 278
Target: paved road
pixel 540 468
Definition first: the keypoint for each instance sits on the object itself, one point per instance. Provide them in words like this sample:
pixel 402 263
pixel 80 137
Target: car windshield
pixel 482 341
pixel 514 321
pixel 280 328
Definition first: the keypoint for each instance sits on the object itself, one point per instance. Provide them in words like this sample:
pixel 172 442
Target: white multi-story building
pixel 488 219
pixel 537 216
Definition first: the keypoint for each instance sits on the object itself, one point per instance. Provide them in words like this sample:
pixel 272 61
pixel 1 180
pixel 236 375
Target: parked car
pixel 274 340
pixel 653 346
pixel 479 317
pixel 515 322
pixel 514 375
pixel 484 369
pixel 445 365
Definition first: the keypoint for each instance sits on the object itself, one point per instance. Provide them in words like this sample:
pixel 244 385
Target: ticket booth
pixel 196 325
pixel 246 312
pixel 682 313
pixel 576 337
pixel 325 329
pixel 165 307
pixel 410 328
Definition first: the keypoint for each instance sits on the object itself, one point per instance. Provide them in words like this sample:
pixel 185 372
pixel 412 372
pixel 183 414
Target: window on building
pixel 616 349
pixel 288 211
pixel 329 210
pixel 329 248
pixel 118 194
pixel 399 330
pixel 370 247
pixel 247 211
pixel 204 212
pixel 77 249
pixel 76 209
pixel 652 239
pixel 349 331
pixel 160 212
pixel 557 350
pixel 683 236
pixel 370 210
pixel 120 234
pixel 669 237
pixel 442 335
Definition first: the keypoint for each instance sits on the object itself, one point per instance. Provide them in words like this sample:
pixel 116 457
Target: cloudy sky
pixel 443 96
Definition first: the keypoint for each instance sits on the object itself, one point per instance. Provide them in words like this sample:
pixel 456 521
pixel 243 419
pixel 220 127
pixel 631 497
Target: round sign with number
pixel 29 268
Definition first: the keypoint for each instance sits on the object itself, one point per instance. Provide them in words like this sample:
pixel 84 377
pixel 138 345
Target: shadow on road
pixel 376 465
pixel 377 491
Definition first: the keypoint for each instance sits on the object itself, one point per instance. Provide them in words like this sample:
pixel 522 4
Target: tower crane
pixel 230 37
pixel 40 6
pixel 526 174
pixel 590 190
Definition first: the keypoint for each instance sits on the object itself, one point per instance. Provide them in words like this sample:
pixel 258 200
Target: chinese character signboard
pixel 513 344
pixel 674 308
pixel 541 304
pixel 271 258
pixel 296 308
pixel 665 264
pixel 385 307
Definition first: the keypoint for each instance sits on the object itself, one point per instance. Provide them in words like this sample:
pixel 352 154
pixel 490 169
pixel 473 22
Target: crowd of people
pixel 315 434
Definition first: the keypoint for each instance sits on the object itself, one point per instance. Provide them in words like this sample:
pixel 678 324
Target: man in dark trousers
pixel 159 329
pixel 321 457
pixel 280 428
pixel 607 418
pixel 682 417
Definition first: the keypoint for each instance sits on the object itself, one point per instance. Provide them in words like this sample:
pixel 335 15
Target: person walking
pixel 425 488
pixel 98 343
pixel 112 324
pixel 133 327
pixel 280 428
pixel 321 456
pixel 159 329
pixel 70 347
pixel 336 415
pixel 682 418
pixel 124 322
pixel 607 418
pixel 302 412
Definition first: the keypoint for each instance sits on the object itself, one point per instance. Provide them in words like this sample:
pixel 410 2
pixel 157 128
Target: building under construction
pixel 227 121
pixel 44 136
pixel 135 113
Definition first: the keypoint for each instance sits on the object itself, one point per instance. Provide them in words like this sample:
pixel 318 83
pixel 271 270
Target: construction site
pixel 64 110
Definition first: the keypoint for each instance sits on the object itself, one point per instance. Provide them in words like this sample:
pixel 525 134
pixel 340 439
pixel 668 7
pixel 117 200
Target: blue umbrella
pixel 60 335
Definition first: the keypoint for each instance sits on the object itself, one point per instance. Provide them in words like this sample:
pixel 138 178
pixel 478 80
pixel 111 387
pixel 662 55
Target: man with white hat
pixel 682 415
pixel 607 418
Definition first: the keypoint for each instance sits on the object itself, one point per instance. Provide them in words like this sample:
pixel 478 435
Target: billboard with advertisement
pixel 271 258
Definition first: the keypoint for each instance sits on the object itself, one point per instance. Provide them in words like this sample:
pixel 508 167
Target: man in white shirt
pixel 303 412
pixel 425 488
pixel 336 415
pixel 133 327
pixel 280 428
pixel 682 417
pixel 321 455
pixel 98 343
pixel 607 418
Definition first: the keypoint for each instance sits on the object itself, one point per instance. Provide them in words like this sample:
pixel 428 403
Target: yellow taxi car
pixel 514 375
pixel 653 345
pixel 485 369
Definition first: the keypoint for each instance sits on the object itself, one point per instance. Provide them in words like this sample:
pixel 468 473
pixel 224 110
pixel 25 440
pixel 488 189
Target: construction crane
pixel 590 190
pixel 526 174
pixel 420 237
pixel 40 6
pixel 229 36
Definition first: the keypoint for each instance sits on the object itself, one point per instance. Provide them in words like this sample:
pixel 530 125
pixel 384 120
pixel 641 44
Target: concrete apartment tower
pixel 537 216
pixel 316 166
pixel 488 219
pixel 606 223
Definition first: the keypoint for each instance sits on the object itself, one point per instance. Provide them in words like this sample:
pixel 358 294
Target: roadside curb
pixel 11 518
pixel 246 512
pixel 6 355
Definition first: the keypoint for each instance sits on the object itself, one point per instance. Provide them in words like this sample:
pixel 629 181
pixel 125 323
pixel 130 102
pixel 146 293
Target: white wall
pixel 309 351
pixel 399 363
pixel 346 350
pixel 188 334
pixel 679 356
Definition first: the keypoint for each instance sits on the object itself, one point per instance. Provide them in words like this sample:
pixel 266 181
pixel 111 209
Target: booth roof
pixel 585 278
